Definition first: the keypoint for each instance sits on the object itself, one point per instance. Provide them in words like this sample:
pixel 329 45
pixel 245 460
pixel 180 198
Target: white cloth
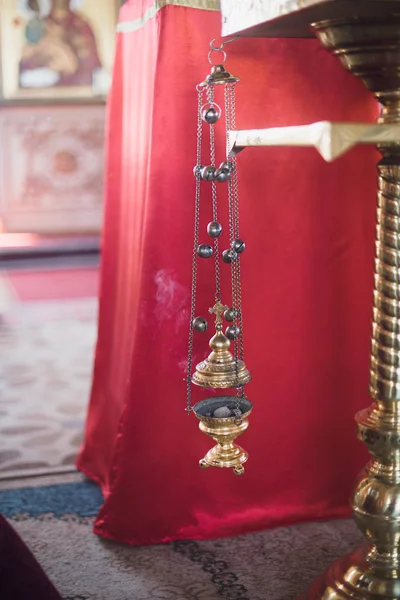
pixel 330 139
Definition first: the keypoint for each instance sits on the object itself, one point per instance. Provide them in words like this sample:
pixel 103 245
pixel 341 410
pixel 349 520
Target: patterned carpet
pixel 55 521
pixel 46 352
pixel 46 355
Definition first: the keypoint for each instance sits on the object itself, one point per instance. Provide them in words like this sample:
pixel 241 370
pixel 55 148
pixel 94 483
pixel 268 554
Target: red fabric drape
pixel 307 288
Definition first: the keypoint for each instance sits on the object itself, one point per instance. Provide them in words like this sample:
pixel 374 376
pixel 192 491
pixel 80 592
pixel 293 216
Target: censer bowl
pixel 224 430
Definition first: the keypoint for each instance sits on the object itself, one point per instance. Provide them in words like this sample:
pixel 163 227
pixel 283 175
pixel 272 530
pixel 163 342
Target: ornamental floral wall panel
pixel 51 169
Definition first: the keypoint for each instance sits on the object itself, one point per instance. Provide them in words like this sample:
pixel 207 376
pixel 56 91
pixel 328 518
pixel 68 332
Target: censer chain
pixel 234 234
pixel 236 218
pixel 235 203
pixel 194 259
pixel 210 97
pixel 235 300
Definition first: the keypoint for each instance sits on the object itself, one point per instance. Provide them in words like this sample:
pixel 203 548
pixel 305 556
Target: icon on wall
pixel 57 49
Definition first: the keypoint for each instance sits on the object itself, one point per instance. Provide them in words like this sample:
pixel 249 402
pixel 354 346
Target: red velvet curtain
pixel 307 289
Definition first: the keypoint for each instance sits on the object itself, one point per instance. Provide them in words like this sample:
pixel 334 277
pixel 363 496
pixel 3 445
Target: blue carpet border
pixel 81 498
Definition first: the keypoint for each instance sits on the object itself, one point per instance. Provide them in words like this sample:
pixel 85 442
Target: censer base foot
pixel 219 457
pixel 353 578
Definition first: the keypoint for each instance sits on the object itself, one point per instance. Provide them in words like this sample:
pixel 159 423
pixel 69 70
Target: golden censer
pixel 223 418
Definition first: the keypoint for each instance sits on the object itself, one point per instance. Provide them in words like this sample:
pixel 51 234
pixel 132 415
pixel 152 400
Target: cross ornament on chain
pixel 218 310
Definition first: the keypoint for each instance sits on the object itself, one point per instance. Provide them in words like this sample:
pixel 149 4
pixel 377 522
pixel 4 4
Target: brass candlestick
pixel 370 48
pixel 365 35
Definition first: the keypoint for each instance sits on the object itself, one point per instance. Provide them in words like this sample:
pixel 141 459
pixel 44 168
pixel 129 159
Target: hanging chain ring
pixel 220 62
pixel 207 106
pixel 214 48
pixel 211 104
pixel 224 43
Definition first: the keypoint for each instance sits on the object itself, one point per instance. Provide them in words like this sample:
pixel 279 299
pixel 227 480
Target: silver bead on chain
pixel 195 255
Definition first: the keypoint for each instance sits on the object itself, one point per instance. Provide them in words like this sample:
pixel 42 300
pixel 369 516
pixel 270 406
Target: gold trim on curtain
pixel 150 13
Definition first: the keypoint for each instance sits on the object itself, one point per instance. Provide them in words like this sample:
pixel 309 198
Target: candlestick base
pixel 351 577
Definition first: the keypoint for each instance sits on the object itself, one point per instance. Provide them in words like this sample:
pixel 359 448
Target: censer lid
pixel 217 374
pixel 220 369
pixel 218 76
